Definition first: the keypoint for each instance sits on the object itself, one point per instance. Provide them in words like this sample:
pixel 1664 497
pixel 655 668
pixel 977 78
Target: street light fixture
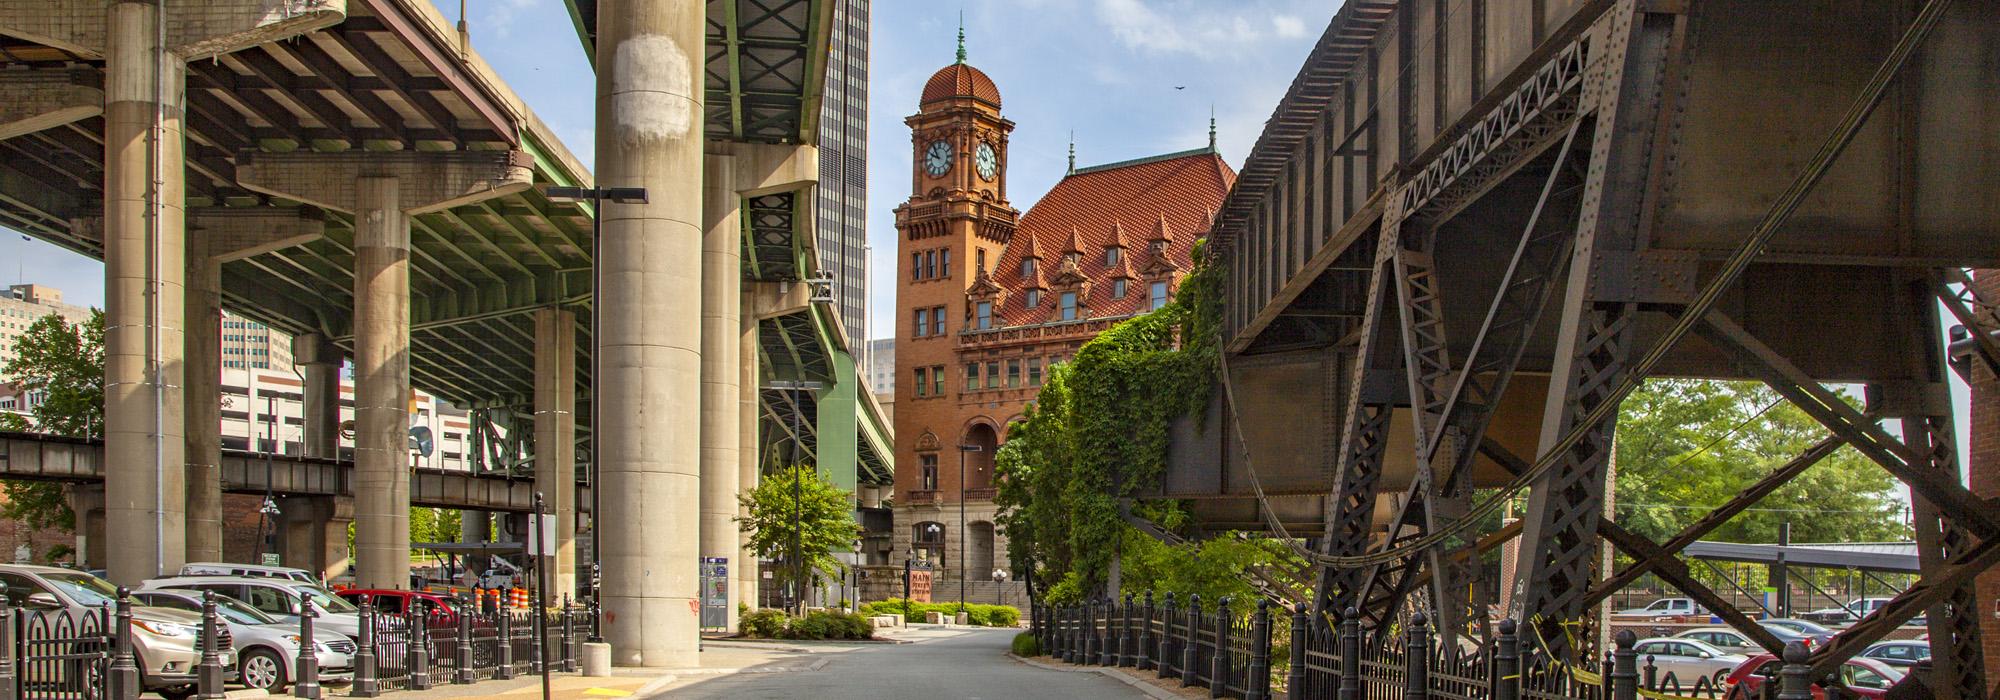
pixel 597 196
pixel 962 570
pixel 795 589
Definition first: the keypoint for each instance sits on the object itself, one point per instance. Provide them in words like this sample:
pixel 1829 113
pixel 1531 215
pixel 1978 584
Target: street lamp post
pixel 596 196
pixel 962 570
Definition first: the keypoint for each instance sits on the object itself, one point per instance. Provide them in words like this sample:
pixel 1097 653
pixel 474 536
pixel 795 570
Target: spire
pixel 1211 126
pixel 1072 152
pixel 961 36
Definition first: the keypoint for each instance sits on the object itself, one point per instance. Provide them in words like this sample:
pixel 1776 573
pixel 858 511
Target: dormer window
pixel 1034 298
pixel 1068 306
pixel 1118 288
pixel 984 315
pixel 1028 270
pixel 1112 255
pixel 1072 259
pixel 1159 247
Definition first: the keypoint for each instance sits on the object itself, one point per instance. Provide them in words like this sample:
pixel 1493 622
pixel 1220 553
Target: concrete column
pixel 721 353
pixel 747 415
pixel 312 533
pixel 330 533
pixel 87 501
pixel 649 134
pixel 144 195
pixel 475 527
pixel 204 407
pixel 319 361
pixel 382 385
pixel 555 439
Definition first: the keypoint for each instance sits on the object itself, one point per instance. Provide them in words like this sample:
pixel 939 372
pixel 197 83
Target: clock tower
pixel 953 230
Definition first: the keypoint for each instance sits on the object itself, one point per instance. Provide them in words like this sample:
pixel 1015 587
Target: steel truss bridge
pixel 1470 229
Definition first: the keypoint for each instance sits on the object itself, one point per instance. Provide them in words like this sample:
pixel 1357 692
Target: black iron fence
pixel 427 647
pixel 1229 649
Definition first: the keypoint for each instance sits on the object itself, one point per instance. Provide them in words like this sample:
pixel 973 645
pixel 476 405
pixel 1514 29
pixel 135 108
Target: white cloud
pixel 1178 27
pixel 1288 27
pixel 500 16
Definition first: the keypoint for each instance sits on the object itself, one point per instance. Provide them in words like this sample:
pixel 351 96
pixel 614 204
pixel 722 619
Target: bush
pixel 1004 616
pixel 1026 645
pixel 765 624
pixel 975 613
pixel 819 624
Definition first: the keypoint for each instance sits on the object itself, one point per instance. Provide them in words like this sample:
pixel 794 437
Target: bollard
pixel 1416 669
pixel 1218 666
pixel 1624 667
pixel 1507 663
pixel 1649 674
pixel 569 640
pixel 1165 655
pixel 1295 678
pixel 9 682
pixel 463 674
pixel 1145 660
pixel 1795 678
pixel 420 648
pixel 208 672
pixel 124 680
pixel 1127 644
pixel 1258 685
pixel 366 685
pixel 1350 655
pixel 505 670
pixel 1191 643
pixel 305 682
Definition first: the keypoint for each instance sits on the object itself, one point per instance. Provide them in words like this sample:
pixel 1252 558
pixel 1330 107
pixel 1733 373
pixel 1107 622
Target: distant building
pixel 882 365
pixel 247 344
pixel 843 167
pixel 23 304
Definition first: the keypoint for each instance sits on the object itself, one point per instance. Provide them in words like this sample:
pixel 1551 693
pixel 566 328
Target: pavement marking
pixel 608 692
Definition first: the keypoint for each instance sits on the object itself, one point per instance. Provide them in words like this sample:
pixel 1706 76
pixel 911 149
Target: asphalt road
pixel 971 665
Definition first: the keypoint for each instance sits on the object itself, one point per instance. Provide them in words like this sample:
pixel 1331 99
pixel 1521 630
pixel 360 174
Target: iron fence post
pixel 1145 660
pixel 1107 651
pixel 1127 644
pixel 124 671
pixel 420 648
pixel 1295 678
pixel 8 681
pixel 1350 655
pixel 1416 669
pixel 538 626
pixel 1191 646
pixel 365 681
pixel 1164 656
pixel 1625 667
pixel 569 652
pixel 1218 662
pixel 1649 674
pixel 1795 678
pixel 505 669
pixel 462 656
pixel 1507 663
pixel 305 683
pixel 1090 641
pixel 208 673
pixel 1258 685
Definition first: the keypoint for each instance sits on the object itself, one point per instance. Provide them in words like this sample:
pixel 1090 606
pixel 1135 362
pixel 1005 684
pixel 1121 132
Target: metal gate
pixel 63 655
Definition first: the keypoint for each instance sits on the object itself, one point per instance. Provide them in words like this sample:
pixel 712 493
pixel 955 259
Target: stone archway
pixel 979 465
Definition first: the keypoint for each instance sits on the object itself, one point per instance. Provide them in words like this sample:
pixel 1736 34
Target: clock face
pixel 985 161
pixel 937 159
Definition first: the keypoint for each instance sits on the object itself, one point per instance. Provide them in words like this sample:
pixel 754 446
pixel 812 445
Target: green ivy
pixel 1098 433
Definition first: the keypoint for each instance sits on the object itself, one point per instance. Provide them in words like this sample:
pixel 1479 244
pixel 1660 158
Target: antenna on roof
pixel 1211 126
pixel 1072 152
pixel 961 35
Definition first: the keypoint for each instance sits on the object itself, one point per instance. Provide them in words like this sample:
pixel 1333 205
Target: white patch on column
pixel 654 90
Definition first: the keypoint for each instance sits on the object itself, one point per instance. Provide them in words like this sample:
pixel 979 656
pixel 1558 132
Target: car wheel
pixel 177 692
pixel 261 669
pixel 1722 678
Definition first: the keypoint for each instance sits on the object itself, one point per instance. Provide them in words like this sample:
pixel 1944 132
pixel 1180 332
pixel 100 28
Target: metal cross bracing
pixel 1562 213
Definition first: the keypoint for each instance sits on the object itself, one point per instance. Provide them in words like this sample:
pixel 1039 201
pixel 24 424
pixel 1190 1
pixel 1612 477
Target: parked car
pixel 1689 660
pixel 1859 677
pixel 163 640
pixel 1899 653
pixel 1818 633
pixel 267 650
pixel 1668 606
pixel 1737 642
pixel 279 598
pixel 1854 610
pixel 250 570
pixel 396 602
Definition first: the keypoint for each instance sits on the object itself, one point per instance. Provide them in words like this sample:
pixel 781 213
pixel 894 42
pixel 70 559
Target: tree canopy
pixel 800 515
pixel 63 364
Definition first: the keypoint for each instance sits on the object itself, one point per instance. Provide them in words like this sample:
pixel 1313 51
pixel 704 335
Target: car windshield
pixel 84 588
pixel 240 612
pixel 326 600
pixel 1802 626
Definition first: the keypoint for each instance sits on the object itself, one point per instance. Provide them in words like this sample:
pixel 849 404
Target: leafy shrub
pixel 765 624
pixel 1026 645
pixel 819 624
pixel 815 625
pixel 975 613
pixel 1004 616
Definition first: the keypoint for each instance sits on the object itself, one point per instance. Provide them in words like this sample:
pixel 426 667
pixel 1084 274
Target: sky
pixel 1126 78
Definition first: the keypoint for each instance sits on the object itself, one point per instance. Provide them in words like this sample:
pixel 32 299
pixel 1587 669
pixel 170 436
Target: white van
pixel 250 570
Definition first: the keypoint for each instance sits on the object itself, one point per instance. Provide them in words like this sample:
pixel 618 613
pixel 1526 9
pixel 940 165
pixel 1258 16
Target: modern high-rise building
pixel 23 304
pixel 843 168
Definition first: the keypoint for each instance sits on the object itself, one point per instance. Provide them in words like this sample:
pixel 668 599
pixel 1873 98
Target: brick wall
pixel 1984 468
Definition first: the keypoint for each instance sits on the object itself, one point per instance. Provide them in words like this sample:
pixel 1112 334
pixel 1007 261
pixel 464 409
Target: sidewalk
pixel 718 658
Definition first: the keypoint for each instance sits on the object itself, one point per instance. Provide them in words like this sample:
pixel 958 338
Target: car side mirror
pixel 43 599
pixel 1705 655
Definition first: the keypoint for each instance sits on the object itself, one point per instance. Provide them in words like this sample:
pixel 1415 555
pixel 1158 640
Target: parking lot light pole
pixel 962 570
pixel 596 196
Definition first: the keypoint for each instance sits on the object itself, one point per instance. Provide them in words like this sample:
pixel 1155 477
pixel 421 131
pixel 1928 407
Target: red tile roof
pixel 1172 196
pixel 960 80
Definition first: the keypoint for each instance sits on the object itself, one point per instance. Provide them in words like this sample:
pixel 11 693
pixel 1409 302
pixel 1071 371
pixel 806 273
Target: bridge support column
pixel 748 458
pixel 721 353
pixel 319 405
pixel 87 501
pixel 475 527
pixel 555 439
pixel 649 135
pixel 313 534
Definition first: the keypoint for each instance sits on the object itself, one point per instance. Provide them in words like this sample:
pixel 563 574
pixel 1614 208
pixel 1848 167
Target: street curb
pixel 1149 689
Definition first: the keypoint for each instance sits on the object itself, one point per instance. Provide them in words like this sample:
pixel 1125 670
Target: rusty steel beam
pixel 490 112
pixel 1676 573
pixel 1933 588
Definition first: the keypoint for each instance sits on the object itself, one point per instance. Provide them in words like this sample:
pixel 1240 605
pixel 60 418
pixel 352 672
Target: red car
pixel 1860 676
pixel 395 602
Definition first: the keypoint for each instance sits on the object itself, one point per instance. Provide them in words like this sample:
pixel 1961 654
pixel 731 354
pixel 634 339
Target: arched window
pixel 979 464
pixel 927 540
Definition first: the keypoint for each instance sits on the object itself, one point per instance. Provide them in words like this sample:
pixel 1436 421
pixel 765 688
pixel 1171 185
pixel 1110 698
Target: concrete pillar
pixel 475 527
pixel 555 439
pixel 143 224
pixel 87 501
pixel 312 533
pixel 381 385
pixel 318 361
pixel 649 134
pixel 204 406
pixel 721 353
pixel 747 458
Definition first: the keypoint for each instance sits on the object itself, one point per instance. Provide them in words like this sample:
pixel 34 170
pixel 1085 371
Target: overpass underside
pixel 1471 229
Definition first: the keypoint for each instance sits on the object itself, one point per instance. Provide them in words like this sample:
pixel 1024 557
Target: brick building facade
pixel 988 298
pixel 1984 473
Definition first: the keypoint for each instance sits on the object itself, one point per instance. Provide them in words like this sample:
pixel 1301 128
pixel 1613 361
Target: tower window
pixel 1034 371
pixel 916 266
pixel 993 374
pixel 944 261
pixel 937 320
pixel 1013 373
pixel 971 376
pixel 923 383
pixel 1159 294
pixel 1034 298
pixel 923 323
pixel 1068 304
pixel 930 265
pixel 937 380
pixel 1027 269
pixel 981 257
pixel 1113 254
pixel 928 481
pixel 985 315
pixel 1118 288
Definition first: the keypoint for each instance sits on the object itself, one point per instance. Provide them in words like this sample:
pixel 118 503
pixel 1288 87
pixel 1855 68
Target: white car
pixel 279 598
pixel 267 650
pixel 203 568
pixel 1667 606
pixel 1688 660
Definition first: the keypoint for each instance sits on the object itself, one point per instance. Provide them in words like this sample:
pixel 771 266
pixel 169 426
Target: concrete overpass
pixel 351 172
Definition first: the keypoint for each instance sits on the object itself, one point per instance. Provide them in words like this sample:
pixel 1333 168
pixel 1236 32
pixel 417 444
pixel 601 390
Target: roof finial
pixel 1211 126
pixel 961 36
pixel 1072 151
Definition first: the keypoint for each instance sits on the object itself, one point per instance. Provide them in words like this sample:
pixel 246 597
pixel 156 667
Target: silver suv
pixel 279 598
pixel 267 651
pixel 164 642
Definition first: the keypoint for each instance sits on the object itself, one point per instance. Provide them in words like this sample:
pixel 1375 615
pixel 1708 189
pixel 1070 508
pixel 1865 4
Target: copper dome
pixel 960 80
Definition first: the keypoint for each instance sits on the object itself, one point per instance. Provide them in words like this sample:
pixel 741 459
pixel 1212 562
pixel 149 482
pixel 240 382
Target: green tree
pixel 64 365
pixel 798 514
